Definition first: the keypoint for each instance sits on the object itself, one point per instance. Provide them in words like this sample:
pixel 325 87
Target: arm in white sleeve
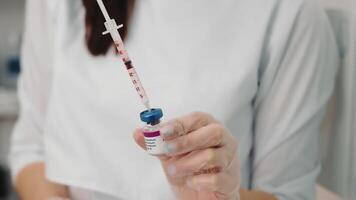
pixel 296 80
pixel 33 89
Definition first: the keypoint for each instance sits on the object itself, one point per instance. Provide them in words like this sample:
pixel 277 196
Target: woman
pixel 258 72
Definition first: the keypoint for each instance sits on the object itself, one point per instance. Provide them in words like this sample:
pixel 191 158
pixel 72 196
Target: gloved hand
pixel 201 160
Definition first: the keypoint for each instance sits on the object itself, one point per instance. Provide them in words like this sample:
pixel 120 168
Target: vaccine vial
pixel 151 131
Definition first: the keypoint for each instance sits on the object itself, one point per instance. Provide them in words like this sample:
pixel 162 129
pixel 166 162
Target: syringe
pixel 112 28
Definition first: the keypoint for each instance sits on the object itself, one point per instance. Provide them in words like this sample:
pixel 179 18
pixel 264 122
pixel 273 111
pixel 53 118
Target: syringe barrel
pixel 112 28
pixel 137 84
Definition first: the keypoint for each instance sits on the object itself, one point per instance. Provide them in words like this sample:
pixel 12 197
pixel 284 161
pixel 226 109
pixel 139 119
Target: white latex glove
pixel 58 198
pixel 201 161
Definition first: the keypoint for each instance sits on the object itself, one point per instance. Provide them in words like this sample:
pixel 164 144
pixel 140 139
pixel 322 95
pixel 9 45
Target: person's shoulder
pixel 311 9
pixel 291 14
pixel 301 20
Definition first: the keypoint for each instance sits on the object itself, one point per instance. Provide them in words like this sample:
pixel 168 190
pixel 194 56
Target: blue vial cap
pixel 151 116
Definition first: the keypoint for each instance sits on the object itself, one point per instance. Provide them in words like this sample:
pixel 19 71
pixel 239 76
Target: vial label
pixel 154 142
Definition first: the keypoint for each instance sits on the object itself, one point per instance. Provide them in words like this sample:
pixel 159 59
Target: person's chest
pixel 185 63
pixel 188 63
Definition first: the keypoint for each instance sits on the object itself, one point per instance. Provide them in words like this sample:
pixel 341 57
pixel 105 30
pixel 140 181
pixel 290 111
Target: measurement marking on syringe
pixel 128 65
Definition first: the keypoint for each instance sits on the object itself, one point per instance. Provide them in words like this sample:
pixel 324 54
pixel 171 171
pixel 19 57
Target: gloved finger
pixel 212 160
pixel 220 183
pixel 212 135
pixel 186 124
pixel 139 138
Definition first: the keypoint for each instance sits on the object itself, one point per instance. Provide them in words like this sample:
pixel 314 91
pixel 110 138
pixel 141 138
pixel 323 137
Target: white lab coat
pixel 263 68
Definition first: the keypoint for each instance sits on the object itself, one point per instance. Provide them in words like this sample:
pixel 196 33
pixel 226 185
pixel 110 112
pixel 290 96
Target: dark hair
pixel 120 10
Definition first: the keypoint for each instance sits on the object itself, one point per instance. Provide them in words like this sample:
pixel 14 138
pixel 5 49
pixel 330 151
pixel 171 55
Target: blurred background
pixel 338 141
pixel 11 26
